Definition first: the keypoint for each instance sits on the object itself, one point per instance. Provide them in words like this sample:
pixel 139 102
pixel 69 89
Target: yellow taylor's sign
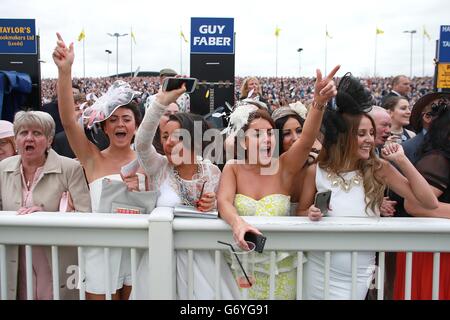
pixel 443 76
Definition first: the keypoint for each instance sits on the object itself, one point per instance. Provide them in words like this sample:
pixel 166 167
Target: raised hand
pixel 325 88
pixel 167 97
pixel 63 56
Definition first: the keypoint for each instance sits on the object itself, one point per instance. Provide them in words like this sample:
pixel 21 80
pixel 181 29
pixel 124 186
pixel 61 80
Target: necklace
pixel 187 194
pixel 346 185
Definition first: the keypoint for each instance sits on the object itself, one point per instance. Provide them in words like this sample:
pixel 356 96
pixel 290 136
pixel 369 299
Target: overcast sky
pixel 156 25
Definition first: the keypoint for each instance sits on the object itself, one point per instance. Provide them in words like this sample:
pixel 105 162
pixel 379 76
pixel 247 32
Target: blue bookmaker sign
pixel 17 36
pixel 444 45
pixel 212 35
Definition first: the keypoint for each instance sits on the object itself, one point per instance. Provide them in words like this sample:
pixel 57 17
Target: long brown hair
pixel 340 156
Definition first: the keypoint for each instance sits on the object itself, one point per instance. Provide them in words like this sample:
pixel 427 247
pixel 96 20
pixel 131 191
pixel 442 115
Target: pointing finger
pixel 333 72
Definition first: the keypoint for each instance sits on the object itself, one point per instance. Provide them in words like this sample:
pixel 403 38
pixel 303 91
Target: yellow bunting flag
pixel 328 35
pixel 426 34
pixel 133 37
pixel 277 32
pixel 82 35
pixel 207 94
pixel 183 37
pixel 379 31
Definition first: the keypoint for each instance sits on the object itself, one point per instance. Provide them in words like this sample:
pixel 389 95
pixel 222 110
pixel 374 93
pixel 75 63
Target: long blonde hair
pixel 341 155
pixel 244 87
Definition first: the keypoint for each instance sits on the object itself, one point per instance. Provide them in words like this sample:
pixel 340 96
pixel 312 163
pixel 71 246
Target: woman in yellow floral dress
pixel 259 184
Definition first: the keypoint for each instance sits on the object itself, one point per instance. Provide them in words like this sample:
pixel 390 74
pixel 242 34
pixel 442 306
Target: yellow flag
pixel 182 36
pixel 379 31
pixel 328 35
pixel 277 31
pixel 207 94
pixel 82 35
pixel 133 37
pixel 426 34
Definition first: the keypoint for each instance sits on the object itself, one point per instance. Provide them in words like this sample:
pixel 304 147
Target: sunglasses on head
pixel 438 108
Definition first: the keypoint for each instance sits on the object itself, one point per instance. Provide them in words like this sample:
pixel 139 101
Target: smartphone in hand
pixel 172 83
pixel 322 201
pixel 258 239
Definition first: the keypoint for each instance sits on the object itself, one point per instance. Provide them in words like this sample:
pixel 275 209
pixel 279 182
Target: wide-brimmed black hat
pixel 416 113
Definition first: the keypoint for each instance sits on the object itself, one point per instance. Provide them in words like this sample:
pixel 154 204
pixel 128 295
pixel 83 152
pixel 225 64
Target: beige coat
pixel 60 174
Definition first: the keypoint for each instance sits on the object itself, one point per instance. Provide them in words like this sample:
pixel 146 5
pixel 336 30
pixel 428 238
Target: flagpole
pixel 276 58
pixel 181 52
pixel 131 46
pixel 84 61
pixel 423 53
pixel 375 62
pixel 326 42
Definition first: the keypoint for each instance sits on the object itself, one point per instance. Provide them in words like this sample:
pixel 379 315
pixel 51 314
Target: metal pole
pixel 299 50
pixel 410 57
pixel 299 64
pixel 84 61
pixel 131 42
pixel 276 58
pixel 117 55
pixel 181 53
pixel 423 55
pixel 326 42
pixel 375 62
pixel 411 50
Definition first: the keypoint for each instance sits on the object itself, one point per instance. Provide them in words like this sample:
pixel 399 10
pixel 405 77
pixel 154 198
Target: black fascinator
pixel 351 98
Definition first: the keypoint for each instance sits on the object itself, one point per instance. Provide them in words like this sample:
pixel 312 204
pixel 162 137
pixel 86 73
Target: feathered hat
pixel 351 98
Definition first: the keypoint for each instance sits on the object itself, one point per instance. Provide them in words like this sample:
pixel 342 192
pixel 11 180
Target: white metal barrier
pixel 162 235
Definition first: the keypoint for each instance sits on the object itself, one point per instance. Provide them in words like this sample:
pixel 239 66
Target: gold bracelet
pixel 318 107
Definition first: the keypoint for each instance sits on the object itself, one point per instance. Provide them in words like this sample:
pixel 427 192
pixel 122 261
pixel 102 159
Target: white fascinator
pixel 119 94
pixel 239 118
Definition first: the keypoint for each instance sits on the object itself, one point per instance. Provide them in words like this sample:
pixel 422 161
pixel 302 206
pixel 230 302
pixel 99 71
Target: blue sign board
pixel 212 35
pixel 17 36
pixel 444 44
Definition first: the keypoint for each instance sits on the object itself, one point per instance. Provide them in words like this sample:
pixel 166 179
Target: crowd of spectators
pixel 277 91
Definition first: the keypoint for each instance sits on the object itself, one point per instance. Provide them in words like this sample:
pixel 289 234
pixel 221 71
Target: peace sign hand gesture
pixel 325 89
pixel 62 55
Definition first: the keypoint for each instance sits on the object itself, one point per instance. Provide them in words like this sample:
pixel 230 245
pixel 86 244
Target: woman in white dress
pixel 175 175
pixel 119 118
pixel 348 166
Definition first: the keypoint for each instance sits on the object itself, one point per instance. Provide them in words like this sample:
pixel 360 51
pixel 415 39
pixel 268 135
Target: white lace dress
pixel 343 204
pixel 119 258
pixel 160 173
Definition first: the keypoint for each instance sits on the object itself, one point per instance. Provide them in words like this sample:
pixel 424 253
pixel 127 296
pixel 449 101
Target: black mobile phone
pixel 322 201
pixel 258 239
pixel 172 83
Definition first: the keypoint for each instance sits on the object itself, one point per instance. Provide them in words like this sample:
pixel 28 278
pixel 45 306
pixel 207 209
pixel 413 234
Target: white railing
pixel 162 235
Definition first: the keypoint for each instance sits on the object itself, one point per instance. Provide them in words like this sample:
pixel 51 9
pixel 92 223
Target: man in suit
pixel 401 87
pixel 421 118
